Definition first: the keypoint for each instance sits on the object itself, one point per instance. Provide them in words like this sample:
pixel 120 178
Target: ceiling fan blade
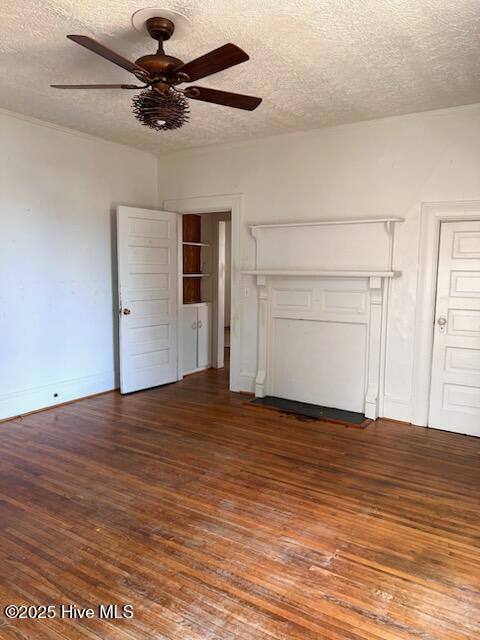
pixel 95 86
pixel 217 60
pixel 108 54
pixel 236 100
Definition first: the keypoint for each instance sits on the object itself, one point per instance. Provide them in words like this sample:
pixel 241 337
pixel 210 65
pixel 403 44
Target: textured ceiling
pixel 315 63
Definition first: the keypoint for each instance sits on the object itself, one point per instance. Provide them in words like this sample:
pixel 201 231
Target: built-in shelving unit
pixel 194 259
pixel 196 309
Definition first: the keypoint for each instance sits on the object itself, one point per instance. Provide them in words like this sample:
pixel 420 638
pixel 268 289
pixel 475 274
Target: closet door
pixel 455 388
pixel 203 325
pixel 189 328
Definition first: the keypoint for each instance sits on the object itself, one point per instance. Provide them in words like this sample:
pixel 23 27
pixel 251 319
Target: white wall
pixel 58 307
pixel 383 167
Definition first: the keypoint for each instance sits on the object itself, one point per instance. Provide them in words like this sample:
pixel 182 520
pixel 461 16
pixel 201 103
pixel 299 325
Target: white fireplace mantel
pixel 319 273
pixel 323 278
pixel 328 222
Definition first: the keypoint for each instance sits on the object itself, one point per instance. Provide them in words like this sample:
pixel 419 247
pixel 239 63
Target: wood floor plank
pixel 218 520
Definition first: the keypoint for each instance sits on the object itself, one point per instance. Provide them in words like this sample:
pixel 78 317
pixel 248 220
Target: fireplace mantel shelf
pixel 326 222
pixel 321 273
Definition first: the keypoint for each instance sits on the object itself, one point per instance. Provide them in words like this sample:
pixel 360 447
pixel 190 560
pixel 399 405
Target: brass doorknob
pixel 126 312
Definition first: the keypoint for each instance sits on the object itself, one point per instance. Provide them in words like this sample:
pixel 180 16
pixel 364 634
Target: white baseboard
pixel 26 400
pixel 397 408
pixel 246 382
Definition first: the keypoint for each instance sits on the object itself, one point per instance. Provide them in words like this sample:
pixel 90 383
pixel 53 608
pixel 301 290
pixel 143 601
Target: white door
pixel 203 327
pixel 455 390
pixel 147 280
pixel 189 334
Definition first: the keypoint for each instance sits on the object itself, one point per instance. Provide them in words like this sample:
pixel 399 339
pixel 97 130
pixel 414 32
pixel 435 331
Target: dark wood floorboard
pixel 220 520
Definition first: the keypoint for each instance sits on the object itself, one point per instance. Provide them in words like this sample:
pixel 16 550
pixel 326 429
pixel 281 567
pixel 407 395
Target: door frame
pixel 220 204
pixel 218 323
pixel 431 217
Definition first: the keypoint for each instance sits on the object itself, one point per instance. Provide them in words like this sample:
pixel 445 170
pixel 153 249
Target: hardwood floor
pixel 218 520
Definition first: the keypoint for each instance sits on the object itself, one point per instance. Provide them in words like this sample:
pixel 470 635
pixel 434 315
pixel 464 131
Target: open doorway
pixel 205 291
pixel 232 203
pixel 228 287
pixel 223 284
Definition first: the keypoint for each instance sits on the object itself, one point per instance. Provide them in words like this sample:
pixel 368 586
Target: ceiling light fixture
pixel 161 110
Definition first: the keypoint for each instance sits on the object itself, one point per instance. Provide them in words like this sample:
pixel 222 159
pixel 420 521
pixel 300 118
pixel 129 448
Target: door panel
pixel 464 323
pixel 455 391
pixel 189 333
pixel 147 276
pixel 465 283
pixel 203 336
pixel 466 244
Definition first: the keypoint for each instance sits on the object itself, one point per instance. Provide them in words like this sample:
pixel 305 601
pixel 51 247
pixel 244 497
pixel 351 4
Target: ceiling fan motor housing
pixel 159 64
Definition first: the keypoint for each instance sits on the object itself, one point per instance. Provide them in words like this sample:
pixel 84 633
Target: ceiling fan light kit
pixel 161 105
pixel 161 111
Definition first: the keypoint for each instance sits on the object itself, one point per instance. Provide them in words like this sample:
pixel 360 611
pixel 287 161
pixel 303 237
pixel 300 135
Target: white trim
pixel 189 373
pixel 196 151
pixel 179 296
pixel 218 324
pixel 220 204
pixel 74 132
pixel 22 401
pixel 432 215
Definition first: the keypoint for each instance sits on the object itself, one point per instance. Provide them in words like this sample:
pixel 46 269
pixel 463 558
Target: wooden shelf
pixel 196 275
pixel 197 244
pixel 196 304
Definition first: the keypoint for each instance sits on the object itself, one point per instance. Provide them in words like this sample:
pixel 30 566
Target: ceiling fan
pixel 161 105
